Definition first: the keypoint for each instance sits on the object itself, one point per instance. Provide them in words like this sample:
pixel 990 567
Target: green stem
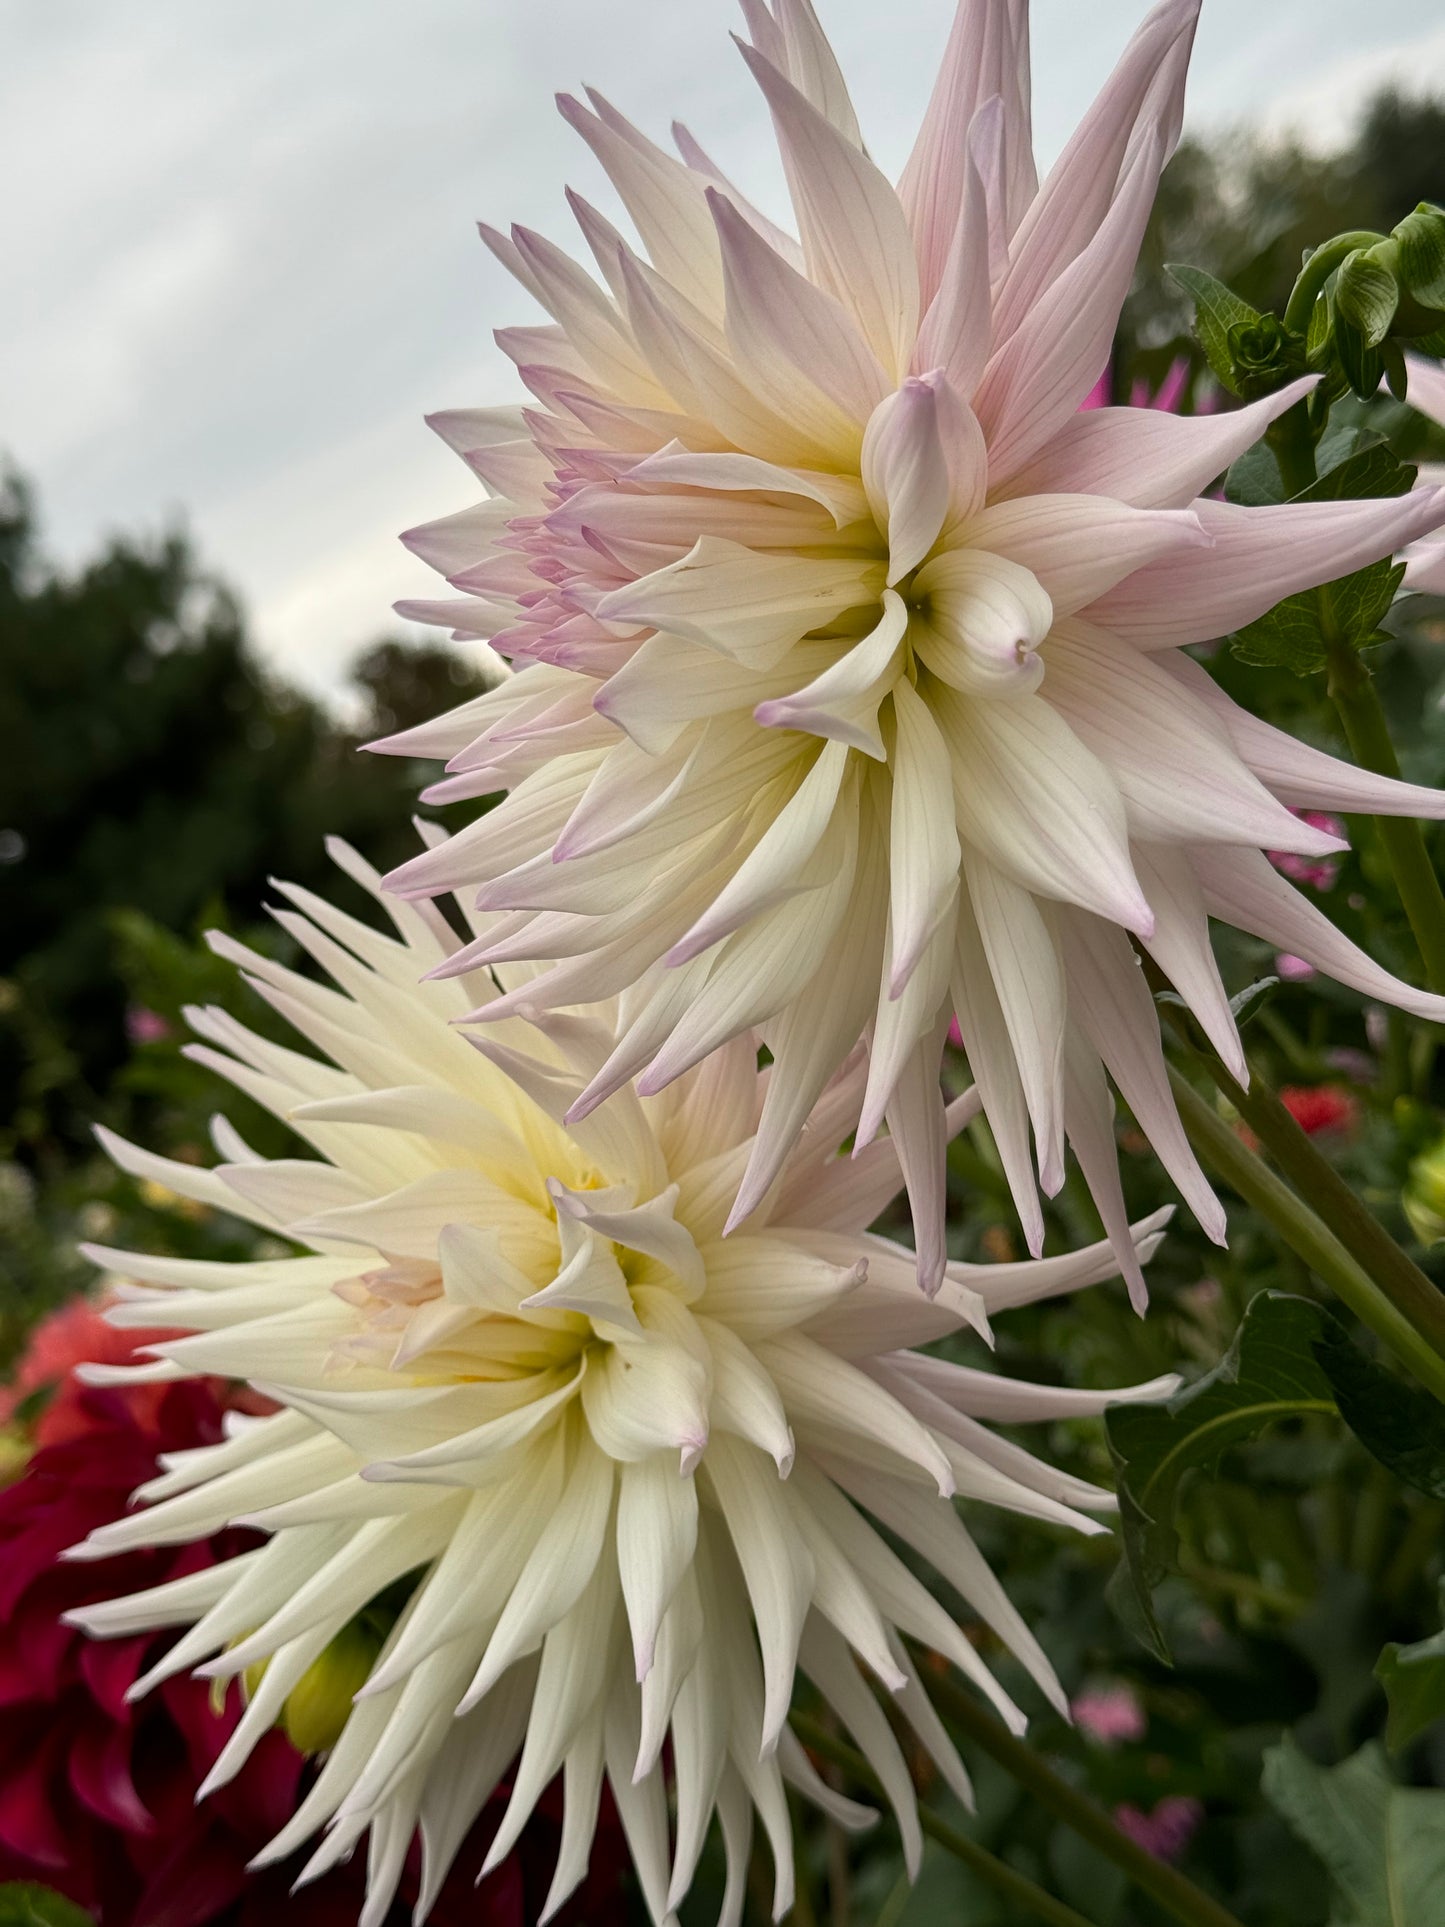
pixel 1352 689
pixel 1303 1232
pixel 1015 1887
pixel 1330 1198
pixel 1179 1897
pixel 1316 271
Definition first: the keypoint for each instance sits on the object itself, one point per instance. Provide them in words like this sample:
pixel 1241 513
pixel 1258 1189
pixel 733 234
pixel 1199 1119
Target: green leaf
pixel 1368 473
pixel 1254 481
pixel 1384 1845
pixel 1360 363
pixel 1420 240
pixel 1290 1357
pixel 1296 634
pixel 1366 296
pixel 1414 1681
pixel 1268 1374
pixel 23 1904
pixel 1217 310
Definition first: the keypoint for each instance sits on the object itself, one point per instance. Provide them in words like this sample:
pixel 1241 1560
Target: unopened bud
pixel 1366 293
pixel 1264 355
pixel 319 1704
pixel 1424 1195
pixel 1419 243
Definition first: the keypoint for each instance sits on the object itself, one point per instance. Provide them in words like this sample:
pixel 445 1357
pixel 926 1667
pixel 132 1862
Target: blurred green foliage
pixel 155 777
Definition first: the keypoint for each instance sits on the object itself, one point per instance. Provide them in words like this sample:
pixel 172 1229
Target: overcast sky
pixel 239 261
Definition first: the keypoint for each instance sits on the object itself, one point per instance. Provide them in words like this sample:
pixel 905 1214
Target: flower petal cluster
pixel 630 1475
pixel 850 691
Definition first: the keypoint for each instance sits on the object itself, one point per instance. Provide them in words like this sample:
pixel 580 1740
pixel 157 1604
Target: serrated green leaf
pixel 1288 636
pixel 1357 604
pixel 1369 472
pixel 1289 1357
pixel 1384 1845
pixel 24 1904
pixel 1366 296
pixel 1217 309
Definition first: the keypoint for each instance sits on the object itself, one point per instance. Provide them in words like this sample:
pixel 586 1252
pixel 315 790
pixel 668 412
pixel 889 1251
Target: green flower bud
pixel 1263 356
pixel 1424 1195
pixel 319 1704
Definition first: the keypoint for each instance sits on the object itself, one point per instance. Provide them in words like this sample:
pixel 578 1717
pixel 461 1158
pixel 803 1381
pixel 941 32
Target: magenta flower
pixel 1317 873
pixel 1110 1713
pixel 1167 1829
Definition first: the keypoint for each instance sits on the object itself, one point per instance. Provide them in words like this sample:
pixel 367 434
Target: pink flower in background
pixel 144 1026
pixel 1165 1831
pixel 1318 873
pixel 851 693
pixel 1110 1713
pixel 1293 970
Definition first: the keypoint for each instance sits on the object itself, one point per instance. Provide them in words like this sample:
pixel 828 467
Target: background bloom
pixel 624 1470
pixel 851 694
pixel 98 1795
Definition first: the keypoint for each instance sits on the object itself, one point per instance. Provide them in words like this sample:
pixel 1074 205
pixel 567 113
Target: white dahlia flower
pixel 850 685
pixel 632 1472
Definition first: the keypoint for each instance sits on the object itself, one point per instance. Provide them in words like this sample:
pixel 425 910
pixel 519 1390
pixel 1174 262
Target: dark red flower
pixel 97 1797
pixel 1318 1108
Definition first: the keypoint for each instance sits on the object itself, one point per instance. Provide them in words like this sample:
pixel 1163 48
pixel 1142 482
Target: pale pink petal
pixel 924 849
pixel 1299 775
pixel 1260 555
pixel 752 607
pixel 956 335
pixel 1081 545
pixel 1147 458
pixel 1028 978
pixel 842 703
pixel 1181 779
pixel 810 63
pixel 786 334
pixel 995 1068
pixel 987 56
pixel 855 237
pixel 664 199
pixel 1040 806
pixel 1108 993
pixel 1089 1122
pixel 981 622
pixel 1180 946
pixel 703 164
pixel 1143 97
pixel 1036 380
pixel 678 467
pixel 1243 888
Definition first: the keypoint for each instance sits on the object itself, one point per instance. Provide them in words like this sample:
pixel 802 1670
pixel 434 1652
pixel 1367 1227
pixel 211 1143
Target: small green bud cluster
pixel 1386 292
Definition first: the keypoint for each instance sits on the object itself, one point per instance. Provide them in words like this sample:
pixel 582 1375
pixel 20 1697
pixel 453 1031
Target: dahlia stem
pixel 1331 1199
pixel 1304 1232
pixel 1352 689
pixel 1179 1897
pixel 1015 1887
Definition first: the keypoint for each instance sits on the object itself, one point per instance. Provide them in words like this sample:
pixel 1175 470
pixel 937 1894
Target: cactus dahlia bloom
pixel 850 689
pixel 628 1469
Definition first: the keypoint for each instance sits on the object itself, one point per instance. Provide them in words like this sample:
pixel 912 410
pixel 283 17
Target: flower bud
pixel 1366 294
pixel 1424 1194
pixel 1264 355
pixel 319 1704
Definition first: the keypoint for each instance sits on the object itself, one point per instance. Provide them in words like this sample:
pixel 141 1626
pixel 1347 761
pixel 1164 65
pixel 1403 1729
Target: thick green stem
pixel 1317 270
pixel 1353 691
pixel 1179 1897
pixel 1304 1233
pixel 1015 1887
